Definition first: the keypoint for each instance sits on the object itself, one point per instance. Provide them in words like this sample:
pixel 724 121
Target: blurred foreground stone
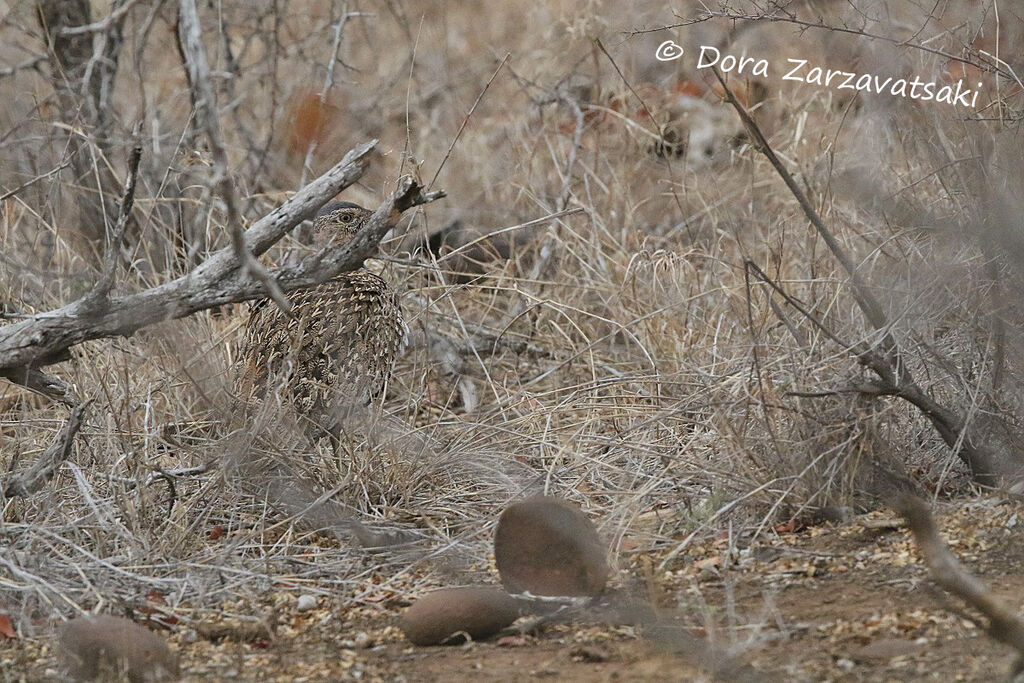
pixel 102 647
pixel 547 546
pixel 438 618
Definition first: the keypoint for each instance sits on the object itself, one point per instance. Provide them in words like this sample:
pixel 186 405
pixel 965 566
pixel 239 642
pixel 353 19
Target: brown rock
pixel 479 611
pixel 216 630
pixel 102 647
pixel 547 546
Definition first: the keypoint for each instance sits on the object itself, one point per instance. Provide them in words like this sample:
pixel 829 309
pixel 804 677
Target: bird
pixel 337 348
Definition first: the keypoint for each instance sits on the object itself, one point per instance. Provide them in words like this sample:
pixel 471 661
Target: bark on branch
pixel 47 337
pixel 30 480
pixel 1002 624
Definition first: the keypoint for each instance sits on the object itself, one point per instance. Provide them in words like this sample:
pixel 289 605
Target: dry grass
pixel 618 355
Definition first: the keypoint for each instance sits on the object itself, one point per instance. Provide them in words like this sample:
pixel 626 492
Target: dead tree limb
pixel 30 480
pixel 47 337
pixel 945 569
pixel 42 383
pixel 117 14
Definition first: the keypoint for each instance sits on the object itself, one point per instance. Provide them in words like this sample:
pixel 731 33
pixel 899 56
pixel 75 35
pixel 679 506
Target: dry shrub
pixel 617 353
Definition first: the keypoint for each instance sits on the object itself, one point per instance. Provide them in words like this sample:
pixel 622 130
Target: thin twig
pixel 101 290
pixel 862 351
pixel 987 464
pixel 574 150
pixel 98 26
pixel 465 119
pixel 865 300
pixel 647 110
pixel 339 29
pixel 198 71
pixel 28 183
pixel 499 231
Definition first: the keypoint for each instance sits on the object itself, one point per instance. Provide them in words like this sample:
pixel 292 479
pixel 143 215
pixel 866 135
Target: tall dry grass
pixel 617 353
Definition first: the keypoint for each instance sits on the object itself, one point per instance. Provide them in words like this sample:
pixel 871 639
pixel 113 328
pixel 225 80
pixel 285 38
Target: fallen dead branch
pixel 47 337
pixel 34 379
pixel 945 569
pixel 30 480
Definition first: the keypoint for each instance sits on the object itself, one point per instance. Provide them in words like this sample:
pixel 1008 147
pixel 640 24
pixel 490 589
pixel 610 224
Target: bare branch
pixel 466 119
pixel 101 290
pixel 27 64
pixel 945 569
pixel 339 30
pixel 191 46
pixel 971 443
pixel 976 448
pixel 868 304
pixel 29 183
pixel 34 379
pixel 83 73
pixel 28 481
pixel 866 354
pixel 46 337
pixel 101 25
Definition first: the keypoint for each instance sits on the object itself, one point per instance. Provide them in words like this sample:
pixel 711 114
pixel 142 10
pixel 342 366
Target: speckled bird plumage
pixel 338 347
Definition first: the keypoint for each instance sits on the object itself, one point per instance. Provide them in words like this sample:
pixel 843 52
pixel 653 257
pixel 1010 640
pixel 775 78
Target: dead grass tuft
pixel 605 342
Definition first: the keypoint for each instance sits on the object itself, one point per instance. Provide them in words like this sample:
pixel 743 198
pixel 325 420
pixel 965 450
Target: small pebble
pixel 306 603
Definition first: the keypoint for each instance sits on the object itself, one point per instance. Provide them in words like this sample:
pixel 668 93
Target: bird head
pixel 338 222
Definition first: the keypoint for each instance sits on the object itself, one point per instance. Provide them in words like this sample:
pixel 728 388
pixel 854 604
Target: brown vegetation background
pixel 582 319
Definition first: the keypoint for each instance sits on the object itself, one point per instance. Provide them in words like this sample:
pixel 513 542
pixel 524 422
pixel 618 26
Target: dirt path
pixel 844 603
pixel 847 603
